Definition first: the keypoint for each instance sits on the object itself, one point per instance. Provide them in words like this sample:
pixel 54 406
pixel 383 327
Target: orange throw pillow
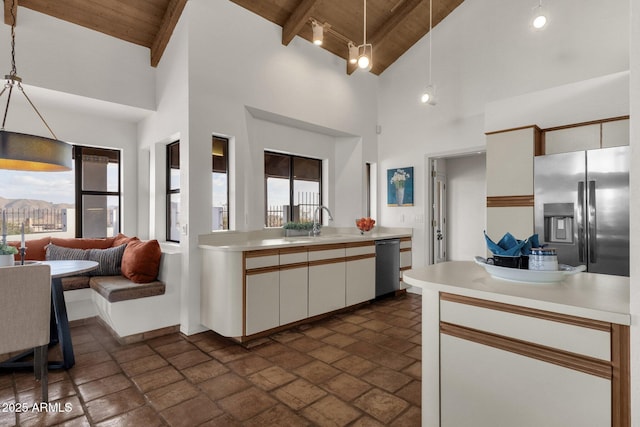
pixel 36 248
pixel 121 239
pixel 141 261
pixel 83 243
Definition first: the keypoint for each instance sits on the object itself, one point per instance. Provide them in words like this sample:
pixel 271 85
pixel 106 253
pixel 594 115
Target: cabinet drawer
pixel 361 250
pixel 564 336
pixel 405 259
pixel 293 257
pixel 326 254
pixel 262 261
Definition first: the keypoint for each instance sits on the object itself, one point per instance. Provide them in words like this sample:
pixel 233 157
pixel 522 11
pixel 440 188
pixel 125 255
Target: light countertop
pixel 593 296
pixel 243 241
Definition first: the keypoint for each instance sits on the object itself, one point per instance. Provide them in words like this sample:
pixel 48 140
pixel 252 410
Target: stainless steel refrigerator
pixel 582 208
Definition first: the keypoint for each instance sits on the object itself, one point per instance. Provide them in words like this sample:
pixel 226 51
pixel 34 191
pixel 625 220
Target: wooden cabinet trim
pixel 405 239
pixel 359 257
pixel 405 249
pixel 531 312
pixel 576 362
pixel 593 122
pixel 261 253
pixel 294 265
pixel 261 270
pixel 405 268
pixel 509 201
pixel 327 247
pixel 360 244
pixel 292 250
pixel 621 381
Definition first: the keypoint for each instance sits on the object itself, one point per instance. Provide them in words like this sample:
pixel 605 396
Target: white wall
pixel 298 86
pixel 482 52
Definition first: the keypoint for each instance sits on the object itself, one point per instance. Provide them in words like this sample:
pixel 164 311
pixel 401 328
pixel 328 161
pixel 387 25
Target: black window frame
pixel 226 166
pixel 291 178
pixel 112 153
pixel 170 191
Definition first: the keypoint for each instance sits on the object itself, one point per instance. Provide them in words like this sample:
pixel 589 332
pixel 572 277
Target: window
pixel 220 183
pixel 293 188
pixel 173 192
pixel 97 173
pixel 82 202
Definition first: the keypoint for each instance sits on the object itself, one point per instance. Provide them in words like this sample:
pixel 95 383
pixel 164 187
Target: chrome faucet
pixel 315 231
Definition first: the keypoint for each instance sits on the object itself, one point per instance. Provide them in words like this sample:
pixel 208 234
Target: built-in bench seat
pixel 136 302
pixel 117 288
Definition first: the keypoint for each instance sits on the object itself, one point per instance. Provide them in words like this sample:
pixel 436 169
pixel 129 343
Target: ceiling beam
pixel 169 22
pixel 297 20
pixel 8 18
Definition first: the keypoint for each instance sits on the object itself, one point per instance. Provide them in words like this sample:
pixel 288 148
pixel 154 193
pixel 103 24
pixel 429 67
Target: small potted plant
pixel 297 229
pixel 7 254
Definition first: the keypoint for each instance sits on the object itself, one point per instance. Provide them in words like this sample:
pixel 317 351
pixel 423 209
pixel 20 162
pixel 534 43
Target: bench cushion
pixel 118 288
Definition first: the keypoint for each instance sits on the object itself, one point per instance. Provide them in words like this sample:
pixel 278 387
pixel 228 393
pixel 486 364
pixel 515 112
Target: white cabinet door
pixel 326 287
pixel 361 280
pixel 263 301
pixel 294 294
pixel 484 386
pixel 576 138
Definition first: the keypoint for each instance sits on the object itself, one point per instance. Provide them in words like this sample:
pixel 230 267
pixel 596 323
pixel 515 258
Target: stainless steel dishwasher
pixel 387 266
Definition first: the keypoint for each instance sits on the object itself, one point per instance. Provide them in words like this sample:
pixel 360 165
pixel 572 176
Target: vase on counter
pixel 6 260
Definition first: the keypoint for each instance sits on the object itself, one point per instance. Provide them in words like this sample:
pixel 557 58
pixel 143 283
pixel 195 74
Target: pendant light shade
pixel 353 53
pixel 19 151
pixel 429 95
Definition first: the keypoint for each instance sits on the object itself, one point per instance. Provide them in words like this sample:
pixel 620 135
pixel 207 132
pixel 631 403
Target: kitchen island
pixel 497 352
pixel 256 283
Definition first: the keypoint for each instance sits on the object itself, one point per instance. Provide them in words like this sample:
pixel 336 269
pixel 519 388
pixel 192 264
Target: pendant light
pixel 429 94
pixel 353 53
pixel 19 151
pixel 540 16
pixel 365 50
pixel 318 33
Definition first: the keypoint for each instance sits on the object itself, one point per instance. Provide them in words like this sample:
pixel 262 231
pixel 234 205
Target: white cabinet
pixel 516 390
pixel 263 301
pixel 361 280
pixel 576 138
pixel 510 162
pixel 504 365
pixel 294 294
pixel 326 287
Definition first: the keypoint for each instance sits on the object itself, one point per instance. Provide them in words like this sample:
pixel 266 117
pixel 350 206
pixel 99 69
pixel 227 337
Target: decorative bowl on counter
pixel 529 276
pixel 365 224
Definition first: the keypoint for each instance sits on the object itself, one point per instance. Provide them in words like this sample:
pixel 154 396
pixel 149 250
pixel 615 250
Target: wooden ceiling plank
pixel 8 18
pixel 169 22
pixel 399 15
pixel 297 20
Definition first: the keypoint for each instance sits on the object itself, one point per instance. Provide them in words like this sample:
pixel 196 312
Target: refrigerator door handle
pixel 580 221
pixel 591 199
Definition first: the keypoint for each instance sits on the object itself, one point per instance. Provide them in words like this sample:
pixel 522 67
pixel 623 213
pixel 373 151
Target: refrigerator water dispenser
pixel 558 222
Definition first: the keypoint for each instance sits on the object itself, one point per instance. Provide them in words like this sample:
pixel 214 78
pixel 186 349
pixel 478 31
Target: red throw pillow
pixel 35 248
pixel 141 261
pixel 121 239
pixel 83 243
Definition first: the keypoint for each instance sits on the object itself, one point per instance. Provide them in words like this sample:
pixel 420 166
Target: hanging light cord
pixel 364 24
pixel 430 37
pixel 13 79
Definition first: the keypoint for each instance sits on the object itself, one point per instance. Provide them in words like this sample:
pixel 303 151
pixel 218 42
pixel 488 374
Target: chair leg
pixel 41 369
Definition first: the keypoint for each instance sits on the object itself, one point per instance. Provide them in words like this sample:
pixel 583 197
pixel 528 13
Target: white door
pixel 439 210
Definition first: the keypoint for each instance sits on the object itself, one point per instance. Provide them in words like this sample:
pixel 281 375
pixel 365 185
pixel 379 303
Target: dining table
pixel 60 331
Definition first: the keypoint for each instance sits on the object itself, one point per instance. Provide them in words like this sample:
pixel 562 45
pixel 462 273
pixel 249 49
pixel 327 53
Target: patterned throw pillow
pixel 109 260
pixel 59 253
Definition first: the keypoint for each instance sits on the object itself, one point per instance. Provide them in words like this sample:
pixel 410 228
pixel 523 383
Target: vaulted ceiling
pixel 393 26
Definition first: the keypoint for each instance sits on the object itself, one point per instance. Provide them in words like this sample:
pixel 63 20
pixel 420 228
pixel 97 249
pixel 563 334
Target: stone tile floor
pixel 360 368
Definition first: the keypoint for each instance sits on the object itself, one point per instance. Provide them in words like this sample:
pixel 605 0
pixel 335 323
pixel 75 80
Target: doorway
pixel 457 214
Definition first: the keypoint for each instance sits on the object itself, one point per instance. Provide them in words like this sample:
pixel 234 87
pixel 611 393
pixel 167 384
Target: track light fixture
pixel 429 94
pixel 353 53
pixel 540 16
pixel 318 33
pixel 365 50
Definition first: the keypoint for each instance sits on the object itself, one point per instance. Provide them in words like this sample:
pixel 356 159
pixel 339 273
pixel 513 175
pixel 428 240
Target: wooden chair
pixel 25 313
